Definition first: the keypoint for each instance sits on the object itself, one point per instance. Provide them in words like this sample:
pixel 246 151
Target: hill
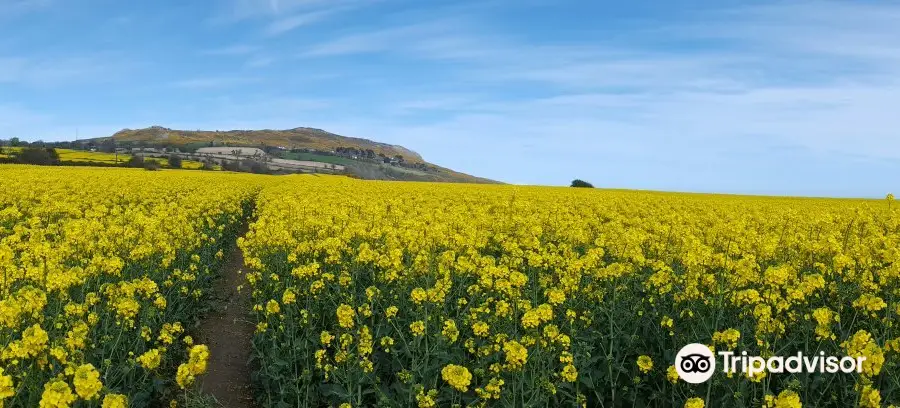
pixel 362 158
pixel 297 138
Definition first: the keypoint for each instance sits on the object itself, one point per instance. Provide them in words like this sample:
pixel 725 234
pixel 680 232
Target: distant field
pixel 319 158
pixel 80 156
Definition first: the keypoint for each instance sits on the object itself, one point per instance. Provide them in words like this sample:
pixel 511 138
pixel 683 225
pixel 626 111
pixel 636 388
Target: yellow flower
pixel 391 311
pixel 491 390
pixel 481 329
pixel 87 382
pixel 426 400
pixel 667 322
pixel 115 401
pixel 272 307
pixel 418 295
pixel 555 296
pixel 184 377
pixel 728 338
pixel 197 358
pixel 516 354
pixel 869 397
pixel 645 364
pixel 289 297
pixel 7 388
pixel 694 403
pixel 34 340
pixel 458 377
pixel 862 344
pixel 786 399
pixel 325 338
pixel 386 343
pixel 150 360
pixel 417 328
pixel 569 373
pixel 672 375
pixel 346 315
pixel 450 332
pixel 57 394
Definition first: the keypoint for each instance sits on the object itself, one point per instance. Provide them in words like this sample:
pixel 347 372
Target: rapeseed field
pixel 438 295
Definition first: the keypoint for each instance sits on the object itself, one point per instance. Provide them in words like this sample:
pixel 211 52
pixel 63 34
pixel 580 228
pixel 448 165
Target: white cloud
pixel 821 76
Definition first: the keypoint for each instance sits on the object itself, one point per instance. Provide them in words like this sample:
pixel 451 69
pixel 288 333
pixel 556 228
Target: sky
pixel 788 97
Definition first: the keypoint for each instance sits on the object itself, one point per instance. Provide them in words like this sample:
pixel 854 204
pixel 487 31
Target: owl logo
pixel 695 363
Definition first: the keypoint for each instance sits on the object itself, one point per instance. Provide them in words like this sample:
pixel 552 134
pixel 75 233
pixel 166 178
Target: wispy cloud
pixel 285 14
pixel 13 8
pixel 232 50
pixel 260 61
pixel 54 71
pixel 214 82
pixel 712 95
pixel 283 25
pixel 819 78
pixel 399 39
pixel 242 9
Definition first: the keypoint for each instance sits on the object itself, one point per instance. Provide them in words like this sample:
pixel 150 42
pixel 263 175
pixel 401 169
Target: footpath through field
pixel 228 332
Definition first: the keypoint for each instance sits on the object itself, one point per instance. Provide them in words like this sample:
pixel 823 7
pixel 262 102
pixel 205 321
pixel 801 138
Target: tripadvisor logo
pixel 695 363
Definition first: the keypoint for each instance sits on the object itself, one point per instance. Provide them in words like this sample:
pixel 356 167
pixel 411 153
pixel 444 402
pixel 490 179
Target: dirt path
pixel 227 331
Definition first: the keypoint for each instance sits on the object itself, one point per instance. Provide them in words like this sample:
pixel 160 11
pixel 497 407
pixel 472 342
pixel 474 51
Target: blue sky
pixel 793 97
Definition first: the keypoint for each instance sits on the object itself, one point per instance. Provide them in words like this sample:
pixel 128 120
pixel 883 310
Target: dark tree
pixel 230 165
pixel 174 161
pixel 151 165
pixel 135 161
pixel 581 183
pixel 38 155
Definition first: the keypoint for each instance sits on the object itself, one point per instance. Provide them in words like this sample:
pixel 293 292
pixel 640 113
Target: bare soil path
pixel 228 331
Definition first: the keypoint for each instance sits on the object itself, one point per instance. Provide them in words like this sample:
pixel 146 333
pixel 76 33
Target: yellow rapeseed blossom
pixel 95 263
pixel 786 399
pixel 694 402
pixel 645 364
pixel 458 377
pixel 57 394
pixel 87 382
pixel 115 401
pixel 103 259
pixel 346 315
pixel 516 354
pixel 861 344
